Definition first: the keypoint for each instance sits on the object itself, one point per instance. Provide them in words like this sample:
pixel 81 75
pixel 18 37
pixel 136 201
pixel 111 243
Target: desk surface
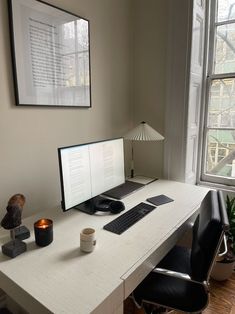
pixel 60 278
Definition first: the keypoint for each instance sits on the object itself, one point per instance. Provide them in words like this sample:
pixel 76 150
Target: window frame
pixel 205 178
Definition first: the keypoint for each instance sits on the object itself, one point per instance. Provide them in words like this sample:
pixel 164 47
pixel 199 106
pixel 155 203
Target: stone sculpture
pixel 12 219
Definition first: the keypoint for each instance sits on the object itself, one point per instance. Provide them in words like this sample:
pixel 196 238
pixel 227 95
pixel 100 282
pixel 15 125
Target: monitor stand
pixel 88 206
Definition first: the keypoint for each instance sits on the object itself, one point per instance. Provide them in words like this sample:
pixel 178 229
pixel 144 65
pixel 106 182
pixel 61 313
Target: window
pixel 219 136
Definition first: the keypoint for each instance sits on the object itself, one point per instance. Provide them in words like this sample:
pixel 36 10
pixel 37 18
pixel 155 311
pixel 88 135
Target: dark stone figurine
pixel 12 219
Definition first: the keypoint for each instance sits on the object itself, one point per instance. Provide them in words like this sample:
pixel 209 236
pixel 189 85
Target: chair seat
pixel 173 292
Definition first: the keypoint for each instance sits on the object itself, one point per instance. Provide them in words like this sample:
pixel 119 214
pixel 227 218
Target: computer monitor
pixel 88 170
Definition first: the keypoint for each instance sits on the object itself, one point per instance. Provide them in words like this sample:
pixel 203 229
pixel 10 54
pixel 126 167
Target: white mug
pixel 87 240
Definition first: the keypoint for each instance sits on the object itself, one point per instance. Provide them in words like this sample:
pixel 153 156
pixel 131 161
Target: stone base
pixel 14 248
pixel 22 233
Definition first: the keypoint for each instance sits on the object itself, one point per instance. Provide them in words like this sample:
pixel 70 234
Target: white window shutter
pixel 195 90
pixel 185 75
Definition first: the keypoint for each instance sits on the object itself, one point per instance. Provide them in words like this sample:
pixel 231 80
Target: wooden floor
pixel 222 299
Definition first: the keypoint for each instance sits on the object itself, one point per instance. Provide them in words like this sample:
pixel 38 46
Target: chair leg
pixel 148 308
pixel 153 309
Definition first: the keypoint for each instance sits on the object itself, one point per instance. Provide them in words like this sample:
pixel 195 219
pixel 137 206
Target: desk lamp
pixel 143 132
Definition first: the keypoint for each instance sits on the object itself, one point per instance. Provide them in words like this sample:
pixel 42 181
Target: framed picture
pixel 51 55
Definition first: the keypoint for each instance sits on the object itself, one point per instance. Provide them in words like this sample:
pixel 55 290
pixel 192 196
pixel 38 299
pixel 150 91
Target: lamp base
pixel 142 179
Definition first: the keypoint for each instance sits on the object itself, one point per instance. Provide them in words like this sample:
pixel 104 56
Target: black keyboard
pixel 126 220
pixel 124 189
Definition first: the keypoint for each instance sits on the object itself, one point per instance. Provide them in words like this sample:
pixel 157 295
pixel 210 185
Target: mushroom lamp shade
pixel 143 132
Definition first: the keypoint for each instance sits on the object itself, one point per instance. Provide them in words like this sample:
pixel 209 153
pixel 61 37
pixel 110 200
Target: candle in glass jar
pixel 43 230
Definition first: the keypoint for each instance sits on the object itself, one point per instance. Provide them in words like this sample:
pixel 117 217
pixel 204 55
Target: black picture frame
pixel 50 55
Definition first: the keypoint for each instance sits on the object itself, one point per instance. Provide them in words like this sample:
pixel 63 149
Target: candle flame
pixel 42 224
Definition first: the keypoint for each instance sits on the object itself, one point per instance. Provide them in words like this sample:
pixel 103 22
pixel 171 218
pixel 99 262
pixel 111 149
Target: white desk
pixel 61 279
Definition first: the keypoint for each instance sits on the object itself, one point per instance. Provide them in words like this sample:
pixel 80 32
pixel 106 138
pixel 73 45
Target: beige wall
pixel 29 137
pixel 128 86
pixel 150 55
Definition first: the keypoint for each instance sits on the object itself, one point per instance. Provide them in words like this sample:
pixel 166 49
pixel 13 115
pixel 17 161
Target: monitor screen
pixel 88 170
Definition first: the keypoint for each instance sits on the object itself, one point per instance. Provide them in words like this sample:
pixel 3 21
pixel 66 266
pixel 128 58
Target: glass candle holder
pixel 43 230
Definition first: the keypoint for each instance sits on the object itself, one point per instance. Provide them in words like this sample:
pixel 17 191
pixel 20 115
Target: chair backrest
pixel 208 232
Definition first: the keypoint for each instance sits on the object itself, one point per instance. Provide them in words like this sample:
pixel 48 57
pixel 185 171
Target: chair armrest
pixel 178 275
pixel 225 247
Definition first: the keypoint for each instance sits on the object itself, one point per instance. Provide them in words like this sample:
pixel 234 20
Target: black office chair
pixel 180 280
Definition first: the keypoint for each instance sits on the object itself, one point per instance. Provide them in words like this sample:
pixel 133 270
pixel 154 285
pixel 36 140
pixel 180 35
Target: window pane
pixel 226 10
pixel 225 49
pixel 221 111
pixel 75 56
pixel 220 158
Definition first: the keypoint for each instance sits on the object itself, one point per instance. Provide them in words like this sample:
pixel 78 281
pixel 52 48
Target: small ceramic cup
pixel 87 240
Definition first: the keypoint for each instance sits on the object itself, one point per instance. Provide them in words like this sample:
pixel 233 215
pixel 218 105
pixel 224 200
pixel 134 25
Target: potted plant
pixel 224 265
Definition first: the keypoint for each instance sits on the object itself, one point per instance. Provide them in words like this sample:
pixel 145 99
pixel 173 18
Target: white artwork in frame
pixel 51 55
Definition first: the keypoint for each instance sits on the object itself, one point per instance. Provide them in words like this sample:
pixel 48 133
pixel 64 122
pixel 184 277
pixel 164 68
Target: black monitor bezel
pixel 59 149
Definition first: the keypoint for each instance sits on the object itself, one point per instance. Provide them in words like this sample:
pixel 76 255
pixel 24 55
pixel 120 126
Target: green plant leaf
pixel 230 207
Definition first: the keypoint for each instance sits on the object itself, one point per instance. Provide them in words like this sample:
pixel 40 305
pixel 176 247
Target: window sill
pixel 223 187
